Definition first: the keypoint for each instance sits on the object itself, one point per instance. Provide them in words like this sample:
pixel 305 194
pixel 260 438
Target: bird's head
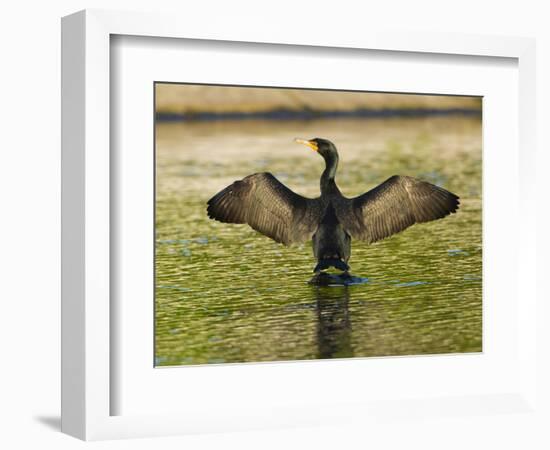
pixel 322 146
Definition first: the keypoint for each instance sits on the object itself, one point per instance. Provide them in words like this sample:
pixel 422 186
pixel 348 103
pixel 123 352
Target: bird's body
pixel 331 220
pixel 331 242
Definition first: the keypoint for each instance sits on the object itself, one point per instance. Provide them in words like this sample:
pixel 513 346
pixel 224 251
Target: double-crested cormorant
pixel 331 220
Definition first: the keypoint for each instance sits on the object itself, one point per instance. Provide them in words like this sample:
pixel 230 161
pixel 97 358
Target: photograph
pixel 296 224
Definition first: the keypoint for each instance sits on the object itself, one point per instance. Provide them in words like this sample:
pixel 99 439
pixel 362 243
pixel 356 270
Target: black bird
pixel 331 220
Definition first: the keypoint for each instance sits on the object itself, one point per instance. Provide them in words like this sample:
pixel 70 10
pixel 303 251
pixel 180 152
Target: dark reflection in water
pixel 333 322
pixel 224 293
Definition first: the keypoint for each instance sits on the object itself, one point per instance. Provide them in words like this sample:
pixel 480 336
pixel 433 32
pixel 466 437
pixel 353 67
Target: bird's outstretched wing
pixel 393 206
pixel 268 206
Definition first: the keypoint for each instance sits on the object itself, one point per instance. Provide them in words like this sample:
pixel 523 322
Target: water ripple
pixel 226 294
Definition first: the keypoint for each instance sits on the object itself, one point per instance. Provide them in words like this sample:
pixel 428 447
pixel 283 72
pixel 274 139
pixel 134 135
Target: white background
pixel 141 389
pixel 29 292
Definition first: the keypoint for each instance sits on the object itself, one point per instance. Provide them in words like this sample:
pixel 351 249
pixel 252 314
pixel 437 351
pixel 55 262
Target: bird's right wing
pixel 268 206
pixel 395 205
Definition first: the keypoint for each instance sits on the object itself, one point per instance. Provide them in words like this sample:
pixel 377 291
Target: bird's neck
pixel 327 178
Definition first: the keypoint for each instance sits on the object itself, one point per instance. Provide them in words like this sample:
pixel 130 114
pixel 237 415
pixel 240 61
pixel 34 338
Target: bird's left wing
pixel 393 206
pixel 268 206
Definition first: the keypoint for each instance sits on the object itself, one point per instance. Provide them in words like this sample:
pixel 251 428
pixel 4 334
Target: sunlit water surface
pixel 226 294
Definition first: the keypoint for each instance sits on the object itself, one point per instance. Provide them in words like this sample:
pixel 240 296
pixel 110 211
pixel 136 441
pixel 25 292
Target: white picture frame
pixel 87 384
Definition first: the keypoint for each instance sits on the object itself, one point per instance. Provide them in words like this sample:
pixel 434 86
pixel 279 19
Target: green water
pixel 224 293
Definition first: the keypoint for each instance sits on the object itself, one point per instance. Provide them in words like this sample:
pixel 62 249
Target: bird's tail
pixel 325 263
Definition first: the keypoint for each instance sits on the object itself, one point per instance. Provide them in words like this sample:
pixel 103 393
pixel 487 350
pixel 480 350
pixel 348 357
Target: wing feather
pixel 395 205
pixel 268 206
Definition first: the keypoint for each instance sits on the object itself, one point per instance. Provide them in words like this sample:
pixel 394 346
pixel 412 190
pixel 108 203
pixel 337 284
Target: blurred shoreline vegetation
pixel 184 102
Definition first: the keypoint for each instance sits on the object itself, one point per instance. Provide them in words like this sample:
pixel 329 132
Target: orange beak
pixel 310 144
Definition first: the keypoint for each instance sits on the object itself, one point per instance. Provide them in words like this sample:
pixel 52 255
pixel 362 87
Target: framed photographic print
pixel 323 215
pixel 226 294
